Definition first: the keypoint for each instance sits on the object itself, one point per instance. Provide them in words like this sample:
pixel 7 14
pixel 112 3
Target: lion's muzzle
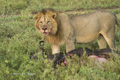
pixel 44 29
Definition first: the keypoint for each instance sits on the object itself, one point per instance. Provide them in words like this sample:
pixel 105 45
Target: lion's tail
pixel 117 21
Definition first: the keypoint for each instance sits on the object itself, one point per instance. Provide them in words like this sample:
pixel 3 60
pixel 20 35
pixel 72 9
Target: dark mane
pixel 47 9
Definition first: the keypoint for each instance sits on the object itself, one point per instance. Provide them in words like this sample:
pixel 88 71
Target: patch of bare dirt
pixel 92 9
pixel 79 11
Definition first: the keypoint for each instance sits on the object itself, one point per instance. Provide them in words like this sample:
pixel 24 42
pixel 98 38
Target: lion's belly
pixel 87 33
pixel 86 38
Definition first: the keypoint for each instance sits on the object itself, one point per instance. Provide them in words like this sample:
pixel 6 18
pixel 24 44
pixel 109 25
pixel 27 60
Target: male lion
pixel 59 28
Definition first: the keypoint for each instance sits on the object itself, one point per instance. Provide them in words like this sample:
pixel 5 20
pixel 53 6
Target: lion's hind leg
pixel 110 39
pixel 101 42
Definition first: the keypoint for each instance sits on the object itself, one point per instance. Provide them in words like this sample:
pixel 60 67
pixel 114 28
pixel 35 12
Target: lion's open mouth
pixel 45 33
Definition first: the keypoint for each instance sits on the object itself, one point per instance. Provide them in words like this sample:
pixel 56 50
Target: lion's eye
pixel 48 22
pixel 41 22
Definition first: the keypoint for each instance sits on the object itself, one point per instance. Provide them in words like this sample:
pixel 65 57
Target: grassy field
pixel 19 41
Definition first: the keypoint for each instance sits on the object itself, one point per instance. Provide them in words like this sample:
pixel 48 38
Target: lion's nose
pixel 44 28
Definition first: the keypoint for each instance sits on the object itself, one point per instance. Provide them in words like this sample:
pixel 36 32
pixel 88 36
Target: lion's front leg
pixel 70 46
pixel 55 49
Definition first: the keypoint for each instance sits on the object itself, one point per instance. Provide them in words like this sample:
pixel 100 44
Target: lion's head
pixel 46 21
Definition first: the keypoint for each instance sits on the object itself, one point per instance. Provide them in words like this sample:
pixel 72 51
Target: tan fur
pixel 85 28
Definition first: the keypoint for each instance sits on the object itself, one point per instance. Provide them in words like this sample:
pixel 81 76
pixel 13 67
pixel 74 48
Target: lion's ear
pixel 54 15
pixel 37 15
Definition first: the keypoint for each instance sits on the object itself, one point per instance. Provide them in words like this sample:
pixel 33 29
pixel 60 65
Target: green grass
pixel 19 41
pixel 17 7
